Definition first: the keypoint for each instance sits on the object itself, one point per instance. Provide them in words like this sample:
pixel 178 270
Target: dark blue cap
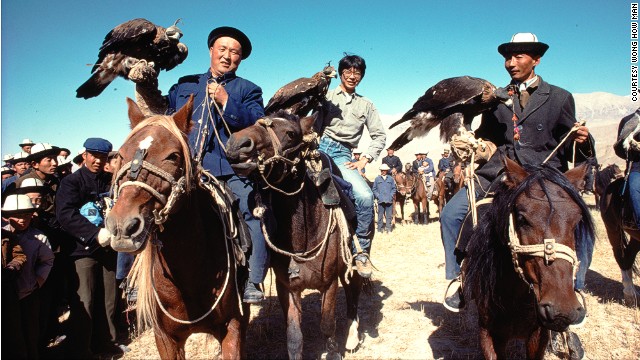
pixel 98 145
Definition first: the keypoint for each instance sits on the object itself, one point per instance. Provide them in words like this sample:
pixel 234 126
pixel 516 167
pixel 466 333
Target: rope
pixel 565 138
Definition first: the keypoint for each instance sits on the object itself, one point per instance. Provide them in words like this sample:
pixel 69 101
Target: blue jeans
pixel 341 155
pixel 385 212
pixel 123 265
pixel 634 193
pixel 451 221
pixel 243 190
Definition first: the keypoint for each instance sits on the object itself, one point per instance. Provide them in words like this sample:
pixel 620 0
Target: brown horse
pixel 521 259
pixel 411 185
pixel 311 246
pixel 443 190
pixel 625 240
pixel 402 191
pixel 185 269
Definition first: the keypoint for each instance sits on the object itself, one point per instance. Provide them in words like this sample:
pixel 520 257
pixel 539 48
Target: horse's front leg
pixel 291 303
pixel 487 345
pixel 328 321
pixel 537 343
pixel 232 342
pixel 352 294
pixel 629 291
pixel 170 348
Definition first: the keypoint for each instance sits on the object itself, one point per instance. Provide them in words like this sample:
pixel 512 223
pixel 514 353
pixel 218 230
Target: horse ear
pixel 135 114
pixel 182 117
pixel 514 173
pixel 576 176
pixel 306 123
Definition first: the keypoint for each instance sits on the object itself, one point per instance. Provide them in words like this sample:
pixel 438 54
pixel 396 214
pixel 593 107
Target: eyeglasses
pixel 348 73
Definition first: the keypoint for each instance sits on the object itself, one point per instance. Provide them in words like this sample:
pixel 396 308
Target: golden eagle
pixel 451 103
pixel 135 41
pixel 302 95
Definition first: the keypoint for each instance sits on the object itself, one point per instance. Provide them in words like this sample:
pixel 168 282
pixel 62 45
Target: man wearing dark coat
pixel 79 213
pixel 393 162
pixel 545 115
pixel 627 147
pixel 230 103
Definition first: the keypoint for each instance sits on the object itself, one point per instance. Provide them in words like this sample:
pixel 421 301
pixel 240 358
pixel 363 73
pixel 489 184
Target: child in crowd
pixel 17 212
pixel 384 187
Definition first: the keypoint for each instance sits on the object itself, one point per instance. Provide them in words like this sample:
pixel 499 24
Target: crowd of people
pixel 53 204
pixel 58 272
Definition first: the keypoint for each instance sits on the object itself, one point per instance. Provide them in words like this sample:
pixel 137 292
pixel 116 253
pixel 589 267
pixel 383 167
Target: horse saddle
pixel 482 206
pixel 332 188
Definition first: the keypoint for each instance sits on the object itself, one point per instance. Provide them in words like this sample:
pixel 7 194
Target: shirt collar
pixel 222 79
pixel 527 84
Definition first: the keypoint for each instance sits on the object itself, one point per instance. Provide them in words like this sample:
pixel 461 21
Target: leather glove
pixel 104 237
pixel 463 145
pixel 485 150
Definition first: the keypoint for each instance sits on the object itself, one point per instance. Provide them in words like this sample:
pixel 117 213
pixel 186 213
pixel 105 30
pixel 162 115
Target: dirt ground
pixel 403 317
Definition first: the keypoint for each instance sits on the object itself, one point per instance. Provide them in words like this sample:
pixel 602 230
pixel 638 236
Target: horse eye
pixel 173 157
pixel 291 134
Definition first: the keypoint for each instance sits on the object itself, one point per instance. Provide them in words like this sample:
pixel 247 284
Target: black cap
pixel 232 33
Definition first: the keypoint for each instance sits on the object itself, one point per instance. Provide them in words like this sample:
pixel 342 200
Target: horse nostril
pixel 132 226
pixel 547 311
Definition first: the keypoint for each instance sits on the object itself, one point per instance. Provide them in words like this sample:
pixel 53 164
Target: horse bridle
pixel 412 188
pixel 549 250
pixel 291 166
pixel 178 187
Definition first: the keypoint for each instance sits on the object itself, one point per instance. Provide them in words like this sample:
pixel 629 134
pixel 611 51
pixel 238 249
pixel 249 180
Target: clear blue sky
pixel 408 46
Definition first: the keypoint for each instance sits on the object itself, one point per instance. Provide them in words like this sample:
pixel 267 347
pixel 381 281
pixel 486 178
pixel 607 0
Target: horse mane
pixel 167 122
pixel 488 252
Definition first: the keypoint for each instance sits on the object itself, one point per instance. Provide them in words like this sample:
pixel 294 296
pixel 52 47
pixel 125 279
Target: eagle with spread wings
pixel 137 41
pixel 451 103
pixel 302 95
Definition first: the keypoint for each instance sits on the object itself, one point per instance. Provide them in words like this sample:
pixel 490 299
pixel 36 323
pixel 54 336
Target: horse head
pixel 273 149
pixel 156 168
pixel 545 221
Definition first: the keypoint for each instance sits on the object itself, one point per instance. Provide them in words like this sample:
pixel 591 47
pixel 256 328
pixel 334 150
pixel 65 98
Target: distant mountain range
pixel 601 110
pixel 602 106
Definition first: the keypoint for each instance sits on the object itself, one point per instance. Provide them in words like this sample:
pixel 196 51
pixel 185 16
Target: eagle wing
pixel 298 95
pixel 130 38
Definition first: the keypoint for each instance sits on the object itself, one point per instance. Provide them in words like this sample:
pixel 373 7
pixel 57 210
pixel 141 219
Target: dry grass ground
pixel 403 317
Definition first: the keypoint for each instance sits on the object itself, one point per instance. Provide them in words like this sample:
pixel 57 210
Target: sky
pixel 408 47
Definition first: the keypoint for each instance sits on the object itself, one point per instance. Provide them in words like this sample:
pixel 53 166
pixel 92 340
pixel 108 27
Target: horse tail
pixel 141 277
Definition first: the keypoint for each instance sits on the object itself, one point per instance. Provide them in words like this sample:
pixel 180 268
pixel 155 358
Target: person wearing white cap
pixel 17 212
pixel 527 131
pixel 26 145
pixel 21 167
pixel 384 189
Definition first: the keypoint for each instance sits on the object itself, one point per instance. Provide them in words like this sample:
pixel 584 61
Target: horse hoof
pixel 331 356
pixel 352 338
pixel 631 300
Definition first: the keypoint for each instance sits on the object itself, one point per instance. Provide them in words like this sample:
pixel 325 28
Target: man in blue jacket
pixel 384 188
pixel 223 103
pixel 94 261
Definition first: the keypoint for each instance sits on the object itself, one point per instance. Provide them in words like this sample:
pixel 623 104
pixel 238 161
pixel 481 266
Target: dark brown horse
pixel 521 259
pixel 625 240
pixel 185 269
pixel 411 186
pixel 403 189
pixel 311 246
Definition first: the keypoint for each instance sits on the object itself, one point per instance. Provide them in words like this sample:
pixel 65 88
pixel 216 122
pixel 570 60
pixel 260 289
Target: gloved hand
pixel 142 72
pixel 463 145
pixel 485 150
pixel 104 237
